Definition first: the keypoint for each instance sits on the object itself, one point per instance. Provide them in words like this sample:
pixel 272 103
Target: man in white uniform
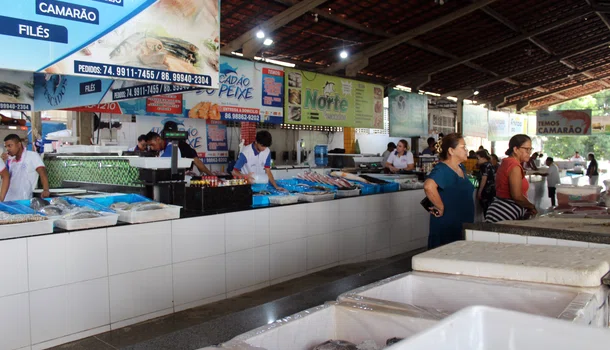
pixel 6 180
pixel 24 167
pixel 255 160
pixel 552 178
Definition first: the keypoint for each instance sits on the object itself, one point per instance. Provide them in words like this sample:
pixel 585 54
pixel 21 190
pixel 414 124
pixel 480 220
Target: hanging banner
pixel 165 41
pixel 197 135
pixel 576 122
pixel 16 90
pixel 317 99
pixel 248 91
pixel 474 120
pixel 499 126
pixel 168 104
pixel 518 124
pixel 55 91
pixel 408 114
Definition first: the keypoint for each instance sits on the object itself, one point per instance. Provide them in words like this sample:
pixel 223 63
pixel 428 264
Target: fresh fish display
pixel 148 206
pixel 327 180
pixel 393 341
pixel 341 174
pixel 7 219
pixel 336 345
pixel 119 205
pixel 38 203
pixel 82 214
pixel 53 210
pixel 60 202
pixel 10 89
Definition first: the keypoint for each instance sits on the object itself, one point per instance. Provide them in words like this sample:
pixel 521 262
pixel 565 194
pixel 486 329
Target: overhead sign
pixel 55 91
pixel 518 124
pixel 576 122
pixel 474 120
pixel 317 99
pixel 248 91
pixel 165 41
pixel 16 90
pixel 408 114
pixel 198 136
pixel 499 126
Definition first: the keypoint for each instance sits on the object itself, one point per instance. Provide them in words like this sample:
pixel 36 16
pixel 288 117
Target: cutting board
pixel 569 266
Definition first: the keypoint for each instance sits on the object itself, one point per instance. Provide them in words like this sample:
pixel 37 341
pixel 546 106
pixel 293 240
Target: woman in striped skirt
pixel 511 202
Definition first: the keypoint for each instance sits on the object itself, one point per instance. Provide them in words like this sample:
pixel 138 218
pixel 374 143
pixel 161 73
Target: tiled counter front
pixel 62 287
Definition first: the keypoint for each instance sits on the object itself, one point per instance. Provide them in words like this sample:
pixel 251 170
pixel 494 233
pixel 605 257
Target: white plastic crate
pixel 348 193
pixel 485 328
pixel 26 229
pixel 314 326
pixel 441 295
pixel 170 212
pixel 304 197
pixel 283 200
pixel 107 219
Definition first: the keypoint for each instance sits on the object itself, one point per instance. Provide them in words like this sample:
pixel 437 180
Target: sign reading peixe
pixel 574 122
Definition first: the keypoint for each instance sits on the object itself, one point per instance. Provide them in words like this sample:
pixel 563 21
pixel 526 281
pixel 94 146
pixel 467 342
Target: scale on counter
pixel 163 178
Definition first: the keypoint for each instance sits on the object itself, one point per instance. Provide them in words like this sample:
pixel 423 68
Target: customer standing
pixel 552 178
pixel 401 159
pixel 495 161
pixel 487 184
pixel 592 170
pixel 431 150
pixel 511 201
pixel 450 192
pixel 386 154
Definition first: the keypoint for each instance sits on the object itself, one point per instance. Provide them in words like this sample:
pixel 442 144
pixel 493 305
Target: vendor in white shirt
pixel 578 158
pixel 24 167
pixel 401 158
pixel 255 160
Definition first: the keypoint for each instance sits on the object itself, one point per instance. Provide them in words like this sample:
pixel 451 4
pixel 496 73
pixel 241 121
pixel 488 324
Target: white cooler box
pixel 440 295
pixel 484 328
pixel 312 327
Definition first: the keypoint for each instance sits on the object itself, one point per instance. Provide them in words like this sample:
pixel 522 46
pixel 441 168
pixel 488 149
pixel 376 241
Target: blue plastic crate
pixel 14 207
pixel 286 182
pixel 390 187
pixel 260 201
pixel 124 198
pixel 79 202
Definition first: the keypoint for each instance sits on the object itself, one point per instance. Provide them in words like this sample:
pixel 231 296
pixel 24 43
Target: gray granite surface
pixel 583 236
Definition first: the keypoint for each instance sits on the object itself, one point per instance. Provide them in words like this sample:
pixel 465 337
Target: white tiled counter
pixel 62 287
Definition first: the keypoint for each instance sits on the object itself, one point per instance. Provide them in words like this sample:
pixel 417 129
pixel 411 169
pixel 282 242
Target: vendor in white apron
pixel 24 167
pixel 255 161
pixel 6 180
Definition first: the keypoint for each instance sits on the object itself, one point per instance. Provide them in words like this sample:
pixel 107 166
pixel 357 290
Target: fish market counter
pixel 65 286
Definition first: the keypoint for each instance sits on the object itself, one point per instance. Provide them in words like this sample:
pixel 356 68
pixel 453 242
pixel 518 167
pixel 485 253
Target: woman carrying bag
pixel 449 193
pixel 511 202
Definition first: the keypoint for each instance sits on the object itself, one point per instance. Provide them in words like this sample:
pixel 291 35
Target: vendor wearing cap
pixel 25 167
pixel 255 160
pixel 156 143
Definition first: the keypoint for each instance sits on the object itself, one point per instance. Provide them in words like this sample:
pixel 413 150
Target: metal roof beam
pixel 360 60
pixel 251 44
pixel 567 88
pixel 555 59
pixel 444 66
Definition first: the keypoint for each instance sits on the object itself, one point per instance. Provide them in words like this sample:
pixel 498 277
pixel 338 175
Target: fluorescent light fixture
pixel 343 54
pixel 267 42
pixel 476 92
pixel 279 63
pixel 432 93
pixel 402 87
pixel 451 98
pixel 237 53
pixel 260 34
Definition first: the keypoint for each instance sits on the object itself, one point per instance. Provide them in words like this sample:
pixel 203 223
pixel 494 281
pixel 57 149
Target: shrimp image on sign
pixel 578 115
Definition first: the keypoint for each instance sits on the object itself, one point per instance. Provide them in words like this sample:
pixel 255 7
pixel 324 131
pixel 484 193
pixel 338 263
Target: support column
pixel 36 121
pixel 459 116
pixel 84 126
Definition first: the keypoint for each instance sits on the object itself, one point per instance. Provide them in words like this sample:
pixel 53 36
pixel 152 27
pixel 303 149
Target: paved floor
pixel 218 322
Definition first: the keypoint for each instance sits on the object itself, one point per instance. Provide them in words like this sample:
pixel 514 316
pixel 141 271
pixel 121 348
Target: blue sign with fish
pixel 164 41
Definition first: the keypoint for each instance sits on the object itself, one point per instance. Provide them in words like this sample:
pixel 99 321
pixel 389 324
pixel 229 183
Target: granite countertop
pixel 584 230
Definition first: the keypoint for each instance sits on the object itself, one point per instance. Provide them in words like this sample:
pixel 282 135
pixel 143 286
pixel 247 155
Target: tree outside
pixel 564 146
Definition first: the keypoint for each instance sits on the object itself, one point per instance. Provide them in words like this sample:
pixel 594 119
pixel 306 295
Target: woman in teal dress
pixel 449 189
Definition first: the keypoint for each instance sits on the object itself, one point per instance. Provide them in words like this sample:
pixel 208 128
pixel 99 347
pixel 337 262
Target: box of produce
pixel 134 208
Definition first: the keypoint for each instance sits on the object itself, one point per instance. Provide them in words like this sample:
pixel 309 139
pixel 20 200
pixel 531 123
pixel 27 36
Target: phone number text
pixel 110 70
pixel 15 106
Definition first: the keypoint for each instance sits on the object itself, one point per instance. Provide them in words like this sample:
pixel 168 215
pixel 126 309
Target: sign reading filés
pixel 316 99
